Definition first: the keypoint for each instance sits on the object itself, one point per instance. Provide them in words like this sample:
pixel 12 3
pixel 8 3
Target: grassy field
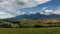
pixel 51 30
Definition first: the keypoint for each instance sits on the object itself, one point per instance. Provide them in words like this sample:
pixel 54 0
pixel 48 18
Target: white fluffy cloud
pixel 4 14
pixel 8 8
pixel 14 4
pixel 49 12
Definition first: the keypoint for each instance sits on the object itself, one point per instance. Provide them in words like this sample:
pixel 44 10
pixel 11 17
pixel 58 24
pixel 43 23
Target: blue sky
pixel 13 8
pixel 52 5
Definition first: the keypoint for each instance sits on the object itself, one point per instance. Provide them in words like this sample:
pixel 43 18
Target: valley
pixel 30 23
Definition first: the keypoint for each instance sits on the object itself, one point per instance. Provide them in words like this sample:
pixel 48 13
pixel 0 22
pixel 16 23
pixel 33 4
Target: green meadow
pixel 50 30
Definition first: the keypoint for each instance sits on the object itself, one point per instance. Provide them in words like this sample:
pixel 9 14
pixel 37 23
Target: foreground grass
pixel 51 30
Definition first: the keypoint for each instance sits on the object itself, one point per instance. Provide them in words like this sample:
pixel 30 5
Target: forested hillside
pixel 30 23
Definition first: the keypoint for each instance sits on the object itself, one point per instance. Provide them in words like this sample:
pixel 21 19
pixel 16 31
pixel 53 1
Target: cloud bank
pixel 15 4
pixel 9 8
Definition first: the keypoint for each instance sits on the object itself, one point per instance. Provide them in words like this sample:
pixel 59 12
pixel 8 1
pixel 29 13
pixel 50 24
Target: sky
pixel 13 8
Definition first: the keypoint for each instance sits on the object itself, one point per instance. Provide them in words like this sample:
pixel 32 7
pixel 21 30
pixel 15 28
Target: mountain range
pixel 35 16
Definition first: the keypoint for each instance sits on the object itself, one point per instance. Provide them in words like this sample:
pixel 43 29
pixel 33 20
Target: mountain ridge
pixel 35 16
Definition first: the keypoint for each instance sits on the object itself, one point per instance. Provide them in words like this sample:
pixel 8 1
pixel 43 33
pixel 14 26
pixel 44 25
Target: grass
pixel 51 30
